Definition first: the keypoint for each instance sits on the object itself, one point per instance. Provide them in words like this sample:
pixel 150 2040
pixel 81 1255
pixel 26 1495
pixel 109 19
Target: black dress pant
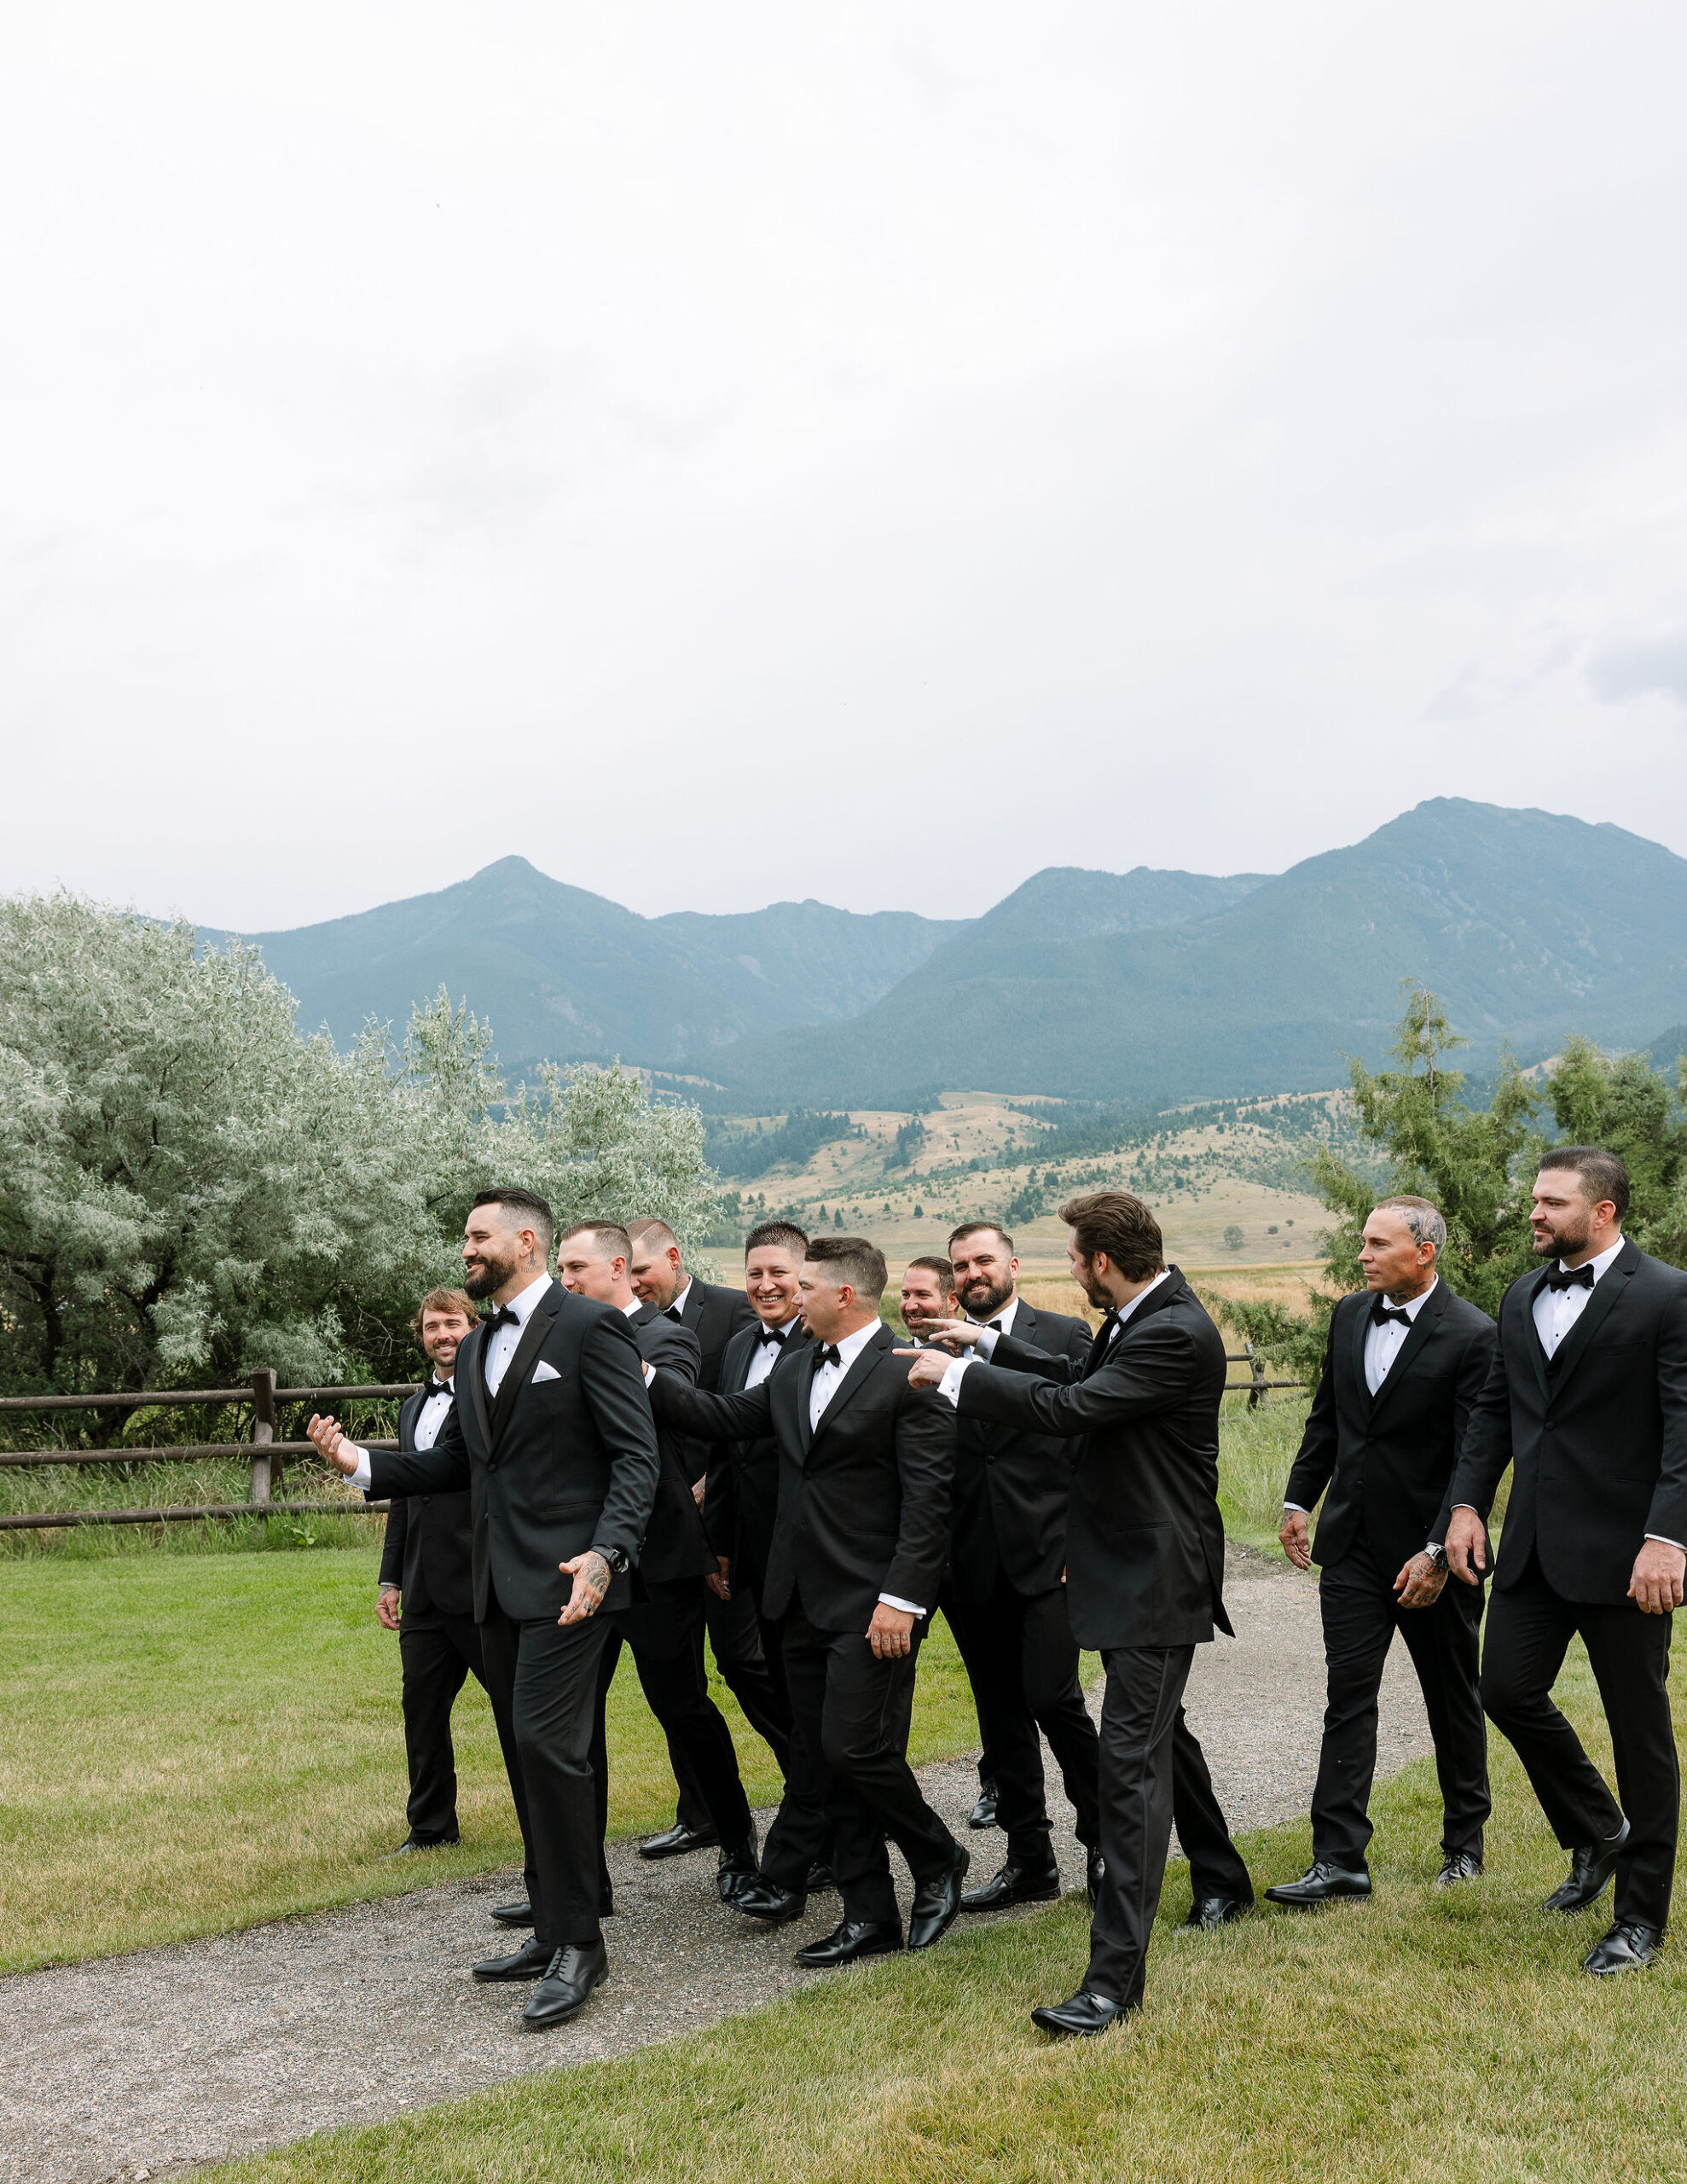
pixel 545 1675
pixel 739 1642
pixel 1139 1714
pixel 852 1712
pixel 1529 1628
pixel 437 1653
pixel 1022 1661
pixel 663 1631
pixel 1361 1614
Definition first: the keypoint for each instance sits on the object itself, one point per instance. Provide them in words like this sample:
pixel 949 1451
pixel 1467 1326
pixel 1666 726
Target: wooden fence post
pixel 265 1468
pixel 1256 1380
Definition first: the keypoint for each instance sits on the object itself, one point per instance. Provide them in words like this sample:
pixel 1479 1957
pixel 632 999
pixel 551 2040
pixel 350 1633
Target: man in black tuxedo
pixel 1403 1366
pixel 426 1592
pixel 552 1436
pixel 714 1314
pixel 860 1538
pixel 664 1626
pixel 1587 1398
pixel 1145 1548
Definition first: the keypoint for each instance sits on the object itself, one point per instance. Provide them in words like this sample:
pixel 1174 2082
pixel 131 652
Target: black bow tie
pixel 774 1335
pixel 674 1313
pixel 995 1326
pixel 437 1388
pixel 505 1316
pixel 1579 1277
pixel 828 1354
pixel 1386 1316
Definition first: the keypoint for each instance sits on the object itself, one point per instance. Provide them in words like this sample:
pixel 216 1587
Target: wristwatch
pixel 1437 1556
pixel 615 1557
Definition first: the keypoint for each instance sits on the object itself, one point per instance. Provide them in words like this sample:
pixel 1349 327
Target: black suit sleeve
pixel 1315 1465
pixel 392 1553
pixel 1473 1374
pixel 1486 1449
pixel 925 1444
pixel 442 1469
pixel 1010 1356
pixel 612 1382
pixel 670 1347
pixel 1667 1516
pixel 708 1417
pixel 1136 1379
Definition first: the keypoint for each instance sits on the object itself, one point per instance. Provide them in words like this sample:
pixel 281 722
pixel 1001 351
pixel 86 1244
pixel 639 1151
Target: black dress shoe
pixel 1207 1914
pixel 853 1940
pixel 528 1962
pixel 1094 1870
pixel 820 1878
pixel 737 1865
pixel 1320 1883
pixel 983 1814
pixel 567 1987
pixel 1459 1866
pixel 1630 1946
pixel 605 1901
pixel 413 1842
pixel 761 1898
pixel 1591 1867
pixel 513 1914
pixel 1038 1884
pixel 1082 2016
pixel 936 1903
pixel 676 1841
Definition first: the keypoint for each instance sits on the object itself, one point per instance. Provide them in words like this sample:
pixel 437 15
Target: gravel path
pixel 138 2065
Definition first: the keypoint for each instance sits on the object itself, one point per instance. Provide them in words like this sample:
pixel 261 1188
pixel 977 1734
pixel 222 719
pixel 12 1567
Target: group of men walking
pixel 626 1459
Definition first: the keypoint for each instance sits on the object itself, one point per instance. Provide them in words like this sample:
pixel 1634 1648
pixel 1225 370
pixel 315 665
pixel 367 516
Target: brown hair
pixel 610 1237
pixel 973 1228
pixel 777 1235
pixel 1603 1175
pixel 940 1268
pixel 445 1300
pixel 1119 1224
pixel 528 1211
pixel 852 1259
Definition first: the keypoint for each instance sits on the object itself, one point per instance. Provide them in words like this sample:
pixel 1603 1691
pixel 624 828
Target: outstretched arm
pixel 1141 1376
pixel 708 1417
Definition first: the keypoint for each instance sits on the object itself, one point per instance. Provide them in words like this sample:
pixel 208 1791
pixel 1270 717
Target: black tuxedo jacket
pixel 714 1314
pixel 1145 1542
pixel 863 1504
pixel 1599 1436
pixel 1011 1484
pixel 555 1466
pixel 675 1544
pixel 427 1553
pixel 743 1492
pixel 1387 1460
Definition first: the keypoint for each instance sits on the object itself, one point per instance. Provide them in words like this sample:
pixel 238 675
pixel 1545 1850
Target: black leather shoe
pixel 761 1898
pixel 528 1962
pixel 737 1865
pixel 1093 1873
pixel 1459 1866
pixel 1207 1914
pixel 1082 2016
pixel 1320 1883
pixel 1630 1946
pixel 936 1903
pixel 513 1914
pixel 983 1814
pixel 605 1900
pixel 853 1940
pixel 1591 1867
pixel 820 1878
pixel 676 1841
pixel 566 1987
pixel 413 1842
pixel 1039 1883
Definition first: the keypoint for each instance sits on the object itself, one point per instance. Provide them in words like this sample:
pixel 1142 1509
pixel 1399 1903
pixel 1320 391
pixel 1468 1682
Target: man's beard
pixel 491 1273
pixel 981 1307
pixel 1560 1246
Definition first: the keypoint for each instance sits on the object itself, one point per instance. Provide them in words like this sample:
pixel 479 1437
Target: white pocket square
pixel 543 1372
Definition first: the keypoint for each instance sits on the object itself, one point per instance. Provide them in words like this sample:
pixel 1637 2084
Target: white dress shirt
pixel 431 1415
pixel 1557 1311
pixel 822 1388
pixel 677 1304
pixel 766 1354
pixel 949 1385
pixel 1384 1340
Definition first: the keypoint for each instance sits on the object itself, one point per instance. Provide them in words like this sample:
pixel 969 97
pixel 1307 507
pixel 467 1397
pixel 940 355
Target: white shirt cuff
pixel 1662 1541
pixel 949 1385
pixel 362 1476
pixel 649 1375
pixel 908 1607
pixel 986 1343
pixel 1298 1506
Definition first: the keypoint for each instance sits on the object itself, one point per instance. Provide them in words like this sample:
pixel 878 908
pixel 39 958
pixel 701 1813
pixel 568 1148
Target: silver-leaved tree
pixel 189 1186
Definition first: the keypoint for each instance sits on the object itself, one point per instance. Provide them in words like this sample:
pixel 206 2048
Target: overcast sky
pixel 725 452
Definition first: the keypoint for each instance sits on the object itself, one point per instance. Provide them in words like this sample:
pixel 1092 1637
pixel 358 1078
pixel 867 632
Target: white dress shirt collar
pixel 633 1307
pixel 1601 1266
pixel 1412 1305
pixel 850 1346
pixel 677 1302
pixel 1124 1311
pixel 522 1305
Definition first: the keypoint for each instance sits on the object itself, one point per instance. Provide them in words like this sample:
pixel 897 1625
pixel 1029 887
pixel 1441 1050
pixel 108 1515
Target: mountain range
pixel 1147 986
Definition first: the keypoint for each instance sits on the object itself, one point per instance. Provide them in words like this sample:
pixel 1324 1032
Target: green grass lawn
pixel 1418 2039
pixel 196 1742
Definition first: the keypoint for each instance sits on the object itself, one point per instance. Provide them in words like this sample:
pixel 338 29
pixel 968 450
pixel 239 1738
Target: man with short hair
pixel 1587 1398
pixel 426 1592
pixel 554 1440
pixel 1145 1546
pixel 859 1538
pixel 1404 1363
pixel 928 1294
pixel 663 1627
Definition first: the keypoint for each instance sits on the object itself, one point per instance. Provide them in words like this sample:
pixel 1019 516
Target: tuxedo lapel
pixel 1573 1347
pixel 515 1373
pixel 469 1367
pixel 1532 1334
pixel 409 1411
pixel 1417 1335
pixel 793 1385
pixel 861 1371
pixel 1361 1328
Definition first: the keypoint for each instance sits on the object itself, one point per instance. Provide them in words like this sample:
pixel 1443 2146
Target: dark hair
pixel 779 1235
pixel 1603 1175
pixel 650 1224
pixel 446 1300
pixel 536 1214
pixel 610 1237
pixel 940 1268
pixel 857 1261
pixel 972 1227
pixel 1422 1216
pixel 1119 1224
